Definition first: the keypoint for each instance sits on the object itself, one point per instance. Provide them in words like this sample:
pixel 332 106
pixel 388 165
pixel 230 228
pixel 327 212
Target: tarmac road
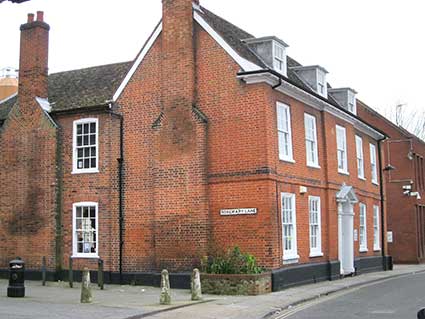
pixel 399 298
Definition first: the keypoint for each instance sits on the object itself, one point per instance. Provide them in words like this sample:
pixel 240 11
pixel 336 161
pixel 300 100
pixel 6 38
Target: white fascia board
pixel 139 60
pixel 242 62
pixel 44 104
pixel 8 98
pixel 46 107
pixel 311 100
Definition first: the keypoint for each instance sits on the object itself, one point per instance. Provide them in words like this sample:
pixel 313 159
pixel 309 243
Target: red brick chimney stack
pixel 33 60
pixel 178 62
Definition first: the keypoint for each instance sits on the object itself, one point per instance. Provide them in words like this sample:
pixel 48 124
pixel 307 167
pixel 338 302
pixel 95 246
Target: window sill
pixel 292 259
pixel 362 178
pixel 344 172
pixel 363 250
pixel 85 256
pixel 312 255
pixel 375 183
pixel 92 171
pixel 314 166
pixel 376 248
pixel 288 160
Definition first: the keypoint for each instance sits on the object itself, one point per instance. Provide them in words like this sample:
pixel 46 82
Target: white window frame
pixel 289 255
pixel 376 229
pixel 317 224
pixel 351 103
pixel 344 169
pixel 311 142
pixel 363 228
pixel 321 82
pixel 282 133
pixel 281 60
pixel 360 157
pixel 75 253
pixel 75 169
pixel 373 164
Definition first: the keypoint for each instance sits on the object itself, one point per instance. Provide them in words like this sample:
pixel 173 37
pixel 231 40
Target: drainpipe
pixel 381 191
pixel 120 192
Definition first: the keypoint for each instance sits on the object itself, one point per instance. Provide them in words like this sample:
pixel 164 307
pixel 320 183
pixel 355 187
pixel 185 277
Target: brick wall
pixel 401 209
pixel 27 188
pixel 101 188
pixel 196 140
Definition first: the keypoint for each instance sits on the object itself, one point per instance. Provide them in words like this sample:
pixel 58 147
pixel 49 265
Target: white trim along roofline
pixel 243 63
pixel 246 65
pixel 309 99
pixel 139 60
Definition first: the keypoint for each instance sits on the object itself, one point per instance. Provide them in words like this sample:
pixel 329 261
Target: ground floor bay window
pixel 85 229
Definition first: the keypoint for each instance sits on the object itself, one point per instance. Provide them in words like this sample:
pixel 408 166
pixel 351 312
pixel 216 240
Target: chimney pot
pixel 40 16
pixel 30 17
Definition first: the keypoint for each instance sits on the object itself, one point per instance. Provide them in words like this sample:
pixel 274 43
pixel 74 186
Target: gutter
pixel 93 108
pixel 120 192
pixel 314 94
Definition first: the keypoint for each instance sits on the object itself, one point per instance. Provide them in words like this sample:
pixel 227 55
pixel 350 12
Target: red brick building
pixel 403 156
pixel 210 138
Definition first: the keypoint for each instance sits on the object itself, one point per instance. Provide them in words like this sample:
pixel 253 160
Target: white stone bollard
pixel 196 285
pixel 165 298
pixel 86 296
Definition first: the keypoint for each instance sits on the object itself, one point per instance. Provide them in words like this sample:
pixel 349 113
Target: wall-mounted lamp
pixel 388 168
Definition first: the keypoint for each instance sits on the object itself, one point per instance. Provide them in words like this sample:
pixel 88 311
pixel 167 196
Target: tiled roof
pixel 6 106
pixel 234 36
pixel 86 87
pixel 94 86
pixel 82 88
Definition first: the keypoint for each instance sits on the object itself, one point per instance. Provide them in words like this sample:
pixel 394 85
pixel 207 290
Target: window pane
pixel 86 128
pixel 79 129
pixel 79 140
pixel 92 127
pixel 92 139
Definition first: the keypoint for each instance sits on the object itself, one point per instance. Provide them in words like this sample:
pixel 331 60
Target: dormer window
pixel 352 102
pixel 345 97
pixel 271 50
pixel 314 76
pixel 279 58
pixel 321 83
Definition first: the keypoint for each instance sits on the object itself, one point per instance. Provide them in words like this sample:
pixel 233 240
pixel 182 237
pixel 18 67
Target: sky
pixel 376 47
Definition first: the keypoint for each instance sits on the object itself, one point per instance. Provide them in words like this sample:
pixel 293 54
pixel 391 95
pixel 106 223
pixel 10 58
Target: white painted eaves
pixel 139 60
pixel 242 62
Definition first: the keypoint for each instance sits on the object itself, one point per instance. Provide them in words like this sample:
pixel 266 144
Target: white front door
pixel 345 237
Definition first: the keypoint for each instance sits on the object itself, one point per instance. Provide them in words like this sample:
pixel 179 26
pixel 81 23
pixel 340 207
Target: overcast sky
pixel 376 47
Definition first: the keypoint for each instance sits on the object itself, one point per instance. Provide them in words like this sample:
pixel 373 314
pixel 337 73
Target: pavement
pixel 57 300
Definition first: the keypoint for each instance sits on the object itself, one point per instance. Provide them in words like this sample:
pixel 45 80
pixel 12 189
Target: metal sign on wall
pixel 238 211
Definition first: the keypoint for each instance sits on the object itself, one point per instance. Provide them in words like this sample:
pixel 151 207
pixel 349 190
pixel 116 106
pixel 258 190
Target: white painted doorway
pixel 346 198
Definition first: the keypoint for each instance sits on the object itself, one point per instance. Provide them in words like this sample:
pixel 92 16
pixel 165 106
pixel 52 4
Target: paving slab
pixel 57 300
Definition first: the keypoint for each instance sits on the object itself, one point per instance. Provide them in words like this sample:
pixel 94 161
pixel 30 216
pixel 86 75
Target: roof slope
pixel 6 106
pixel 234 36
pixel 82 88
pixel 86 87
